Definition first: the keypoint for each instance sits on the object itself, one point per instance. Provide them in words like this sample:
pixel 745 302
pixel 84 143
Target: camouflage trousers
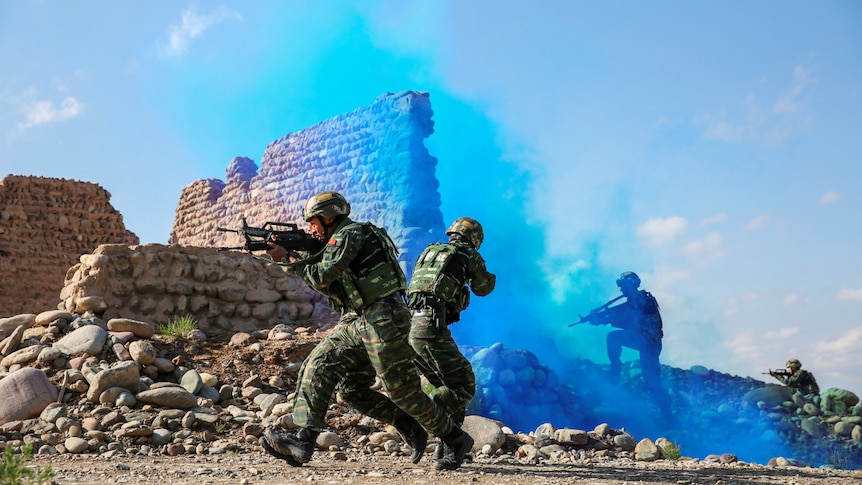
pixel 440 361
pixel 359 348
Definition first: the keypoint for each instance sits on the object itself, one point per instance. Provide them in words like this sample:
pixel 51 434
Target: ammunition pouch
pixel 434 307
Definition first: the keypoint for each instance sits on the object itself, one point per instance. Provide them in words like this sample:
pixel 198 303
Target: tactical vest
pixel 441 271
pixel 373 274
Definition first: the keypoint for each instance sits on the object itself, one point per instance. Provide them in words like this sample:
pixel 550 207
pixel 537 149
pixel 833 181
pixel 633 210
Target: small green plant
pixel 178 327
pixel 670 451
pixel 13 470
pixel 219 426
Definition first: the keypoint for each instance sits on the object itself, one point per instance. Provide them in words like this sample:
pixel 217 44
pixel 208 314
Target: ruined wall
pixel 375 156
pixel 45 225
pixel 224 291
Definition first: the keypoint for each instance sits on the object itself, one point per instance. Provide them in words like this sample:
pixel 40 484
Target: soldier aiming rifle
pixel 796 377
pixel 640 327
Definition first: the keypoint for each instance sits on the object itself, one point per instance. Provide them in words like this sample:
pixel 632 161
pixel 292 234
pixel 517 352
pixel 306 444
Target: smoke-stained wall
pixel 375 156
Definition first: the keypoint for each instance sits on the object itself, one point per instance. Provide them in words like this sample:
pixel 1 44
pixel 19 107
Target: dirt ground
pixel 235 364
pixel 259 468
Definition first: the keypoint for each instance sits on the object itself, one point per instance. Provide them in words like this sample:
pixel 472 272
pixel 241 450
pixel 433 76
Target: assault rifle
pixel 286 235
pixel 776 373
pixel 604 313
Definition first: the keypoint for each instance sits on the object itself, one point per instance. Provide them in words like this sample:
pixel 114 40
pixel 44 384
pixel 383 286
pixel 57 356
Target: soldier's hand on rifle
pixel 277 253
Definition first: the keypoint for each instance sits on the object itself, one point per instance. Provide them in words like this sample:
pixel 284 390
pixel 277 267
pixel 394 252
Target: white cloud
pixel 714 219
pixel 758 222
pixel 43 111
pixel 782 333
pixel 193 25
pixel 829 197
pixel 707 248
pixel 756 121
pixel 849 294
pixel 661 231
pixel 849 343
pixel 793 299
pixel 788 102
pixel 561 277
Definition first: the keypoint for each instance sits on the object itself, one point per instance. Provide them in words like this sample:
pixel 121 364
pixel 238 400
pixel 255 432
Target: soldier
pixel 439 291
pixel 798 378
pixel 640 327
pixel 359 273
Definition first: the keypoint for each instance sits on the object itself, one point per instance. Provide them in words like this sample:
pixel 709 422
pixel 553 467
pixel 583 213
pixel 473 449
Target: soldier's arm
pixel 482 281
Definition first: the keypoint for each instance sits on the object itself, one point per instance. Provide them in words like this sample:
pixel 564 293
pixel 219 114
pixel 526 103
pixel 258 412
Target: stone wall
pixel 225 291
pixel 375 156
pixel 45 225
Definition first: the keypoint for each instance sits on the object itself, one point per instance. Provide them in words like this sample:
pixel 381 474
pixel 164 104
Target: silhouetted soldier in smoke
pixel 640 328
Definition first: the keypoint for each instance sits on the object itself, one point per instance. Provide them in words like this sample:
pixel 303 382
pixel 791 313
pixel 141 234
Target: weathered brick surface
pixel 45 225
pixel 375 156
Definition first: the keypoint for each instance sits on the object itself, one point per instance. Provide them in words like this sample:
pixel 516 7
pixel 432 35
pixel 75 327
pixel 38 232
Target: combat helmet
pixel 629 277
pixel 469 228
pixel 793 364
pixel 325 204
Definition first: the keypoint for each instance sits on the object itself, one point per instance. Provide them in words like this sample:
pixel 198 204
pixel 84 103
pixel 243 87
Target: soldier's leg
pixel 386 338
pixel 324 367
pixel 615 351
pixel 356 391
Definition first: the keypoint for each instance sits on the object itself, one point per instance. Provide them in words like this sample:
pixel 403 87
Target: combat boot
pixel 295 447
pixel 414 434
pixel 457 444
pixel 439 450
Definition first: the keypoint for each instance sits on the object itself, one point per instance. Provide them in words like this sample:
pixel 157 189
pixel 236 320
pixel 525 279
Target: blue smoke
pixel 477 180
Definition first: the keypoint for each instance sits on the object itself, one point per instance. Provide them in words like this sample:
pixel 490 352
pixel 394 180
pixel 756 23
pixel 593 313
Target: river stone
pixel 49 316
pixel 140 329
pixel 95 304
pixel 142 352
pixel 484 431
pixel 23 356
pixel 770 395
pixel 646 450
pixel 124 374
pixel 191 381
pixel 26 392
pixel 89 339
pixel 170 396
pixel 7 325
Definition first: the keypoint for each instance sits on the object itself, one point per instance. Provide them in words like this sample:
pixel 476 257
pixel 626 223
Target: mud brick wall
pixel 225 291
pixel 45 225
pixel 375 156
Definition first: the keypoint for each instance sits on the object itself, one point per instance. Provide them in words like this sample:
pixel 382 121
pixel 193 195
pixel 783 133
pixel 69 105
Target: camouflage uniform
pixel 439 290
pixel 798 378
pixel 370 338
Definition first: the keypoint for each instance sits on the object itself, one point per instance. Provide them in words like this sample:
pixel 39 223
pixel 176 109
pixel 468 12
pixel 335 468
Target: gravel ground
pixel 332 468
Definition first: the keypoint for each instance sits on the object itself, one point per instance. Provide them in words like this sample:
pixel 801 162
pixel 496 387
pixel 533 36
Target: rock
pixel 143 352
pixel 25 393
pixel 89 339
pixel 170 396
pixel 23 356
pixel 840 395
pixel 95 304
pixel 575 437
pixel 76 445
pixel 49 316
pixel 124 374
pixel 191 381
pixel 770 395
pixel 646 450
pixel 141 329
pixel 7 325
pixel 484 431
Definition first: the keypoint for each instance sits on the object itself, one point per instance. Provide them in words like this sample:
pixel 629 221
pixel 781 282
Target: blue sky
pixel 712 147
